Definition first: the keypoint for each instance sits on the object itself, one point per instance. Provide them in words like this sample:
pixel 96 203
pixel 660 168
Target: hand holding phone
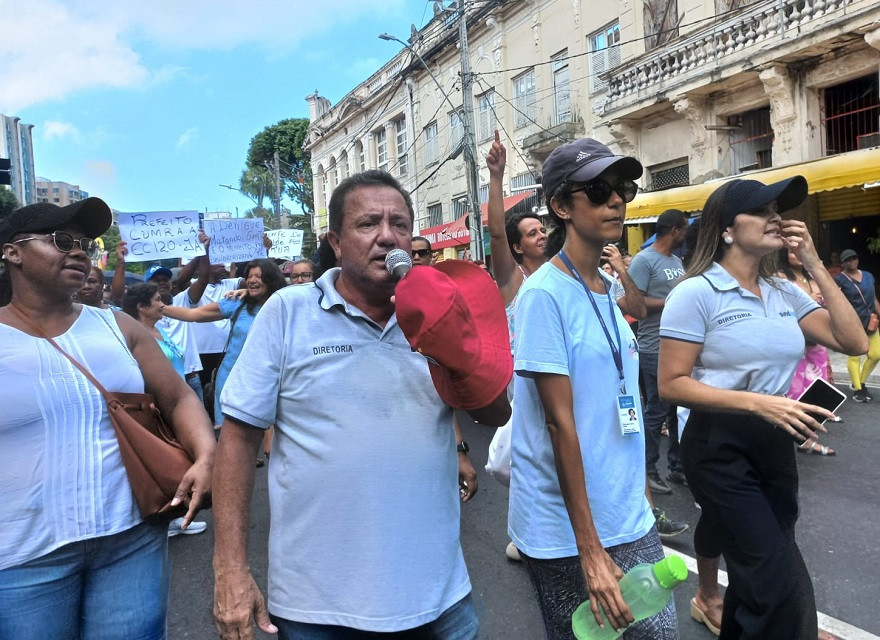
pixel 822 394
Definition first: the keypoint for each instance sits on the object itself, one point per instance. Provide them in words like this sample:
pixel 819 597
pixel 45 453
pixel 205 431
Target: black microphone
pixel 398 262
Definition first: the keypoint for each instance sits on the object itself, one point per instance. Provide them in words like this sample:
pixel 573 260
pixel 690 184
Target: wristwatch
pixel 462 447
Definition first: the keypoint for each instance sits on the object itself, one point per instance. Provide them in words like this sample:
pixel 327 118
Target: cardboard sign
pixel 286 243
pixel 158 235
pixel 235 240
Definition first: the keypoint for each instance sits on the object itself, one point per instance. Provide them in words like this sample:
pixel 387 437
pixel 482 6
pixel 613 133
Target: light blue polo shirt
pixel 363 482
pixel 749 343
pixel 558 332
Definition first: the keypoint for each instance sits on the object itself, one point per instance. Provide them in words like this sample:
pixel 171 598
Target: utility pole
pixel 276 166
pixel 470 141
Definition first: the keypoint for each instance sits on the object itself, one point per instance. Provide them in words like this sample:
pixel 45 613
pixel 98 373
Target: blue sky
pixel 151 105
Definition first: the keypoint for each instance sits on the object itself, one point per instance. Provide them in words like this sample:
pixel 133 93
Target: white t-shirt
pixel 61 473
pixel 211 337
pixel 363 485
pixel 558 332
pixel 182 333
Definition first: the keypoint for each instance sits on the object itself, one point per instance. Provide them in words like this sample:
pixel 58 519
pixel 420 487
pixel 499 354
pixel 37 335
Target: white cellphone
pixel 823 394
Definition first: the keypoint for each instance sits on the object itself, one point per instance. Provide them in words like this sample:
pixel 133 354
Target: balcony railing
pixel 724 39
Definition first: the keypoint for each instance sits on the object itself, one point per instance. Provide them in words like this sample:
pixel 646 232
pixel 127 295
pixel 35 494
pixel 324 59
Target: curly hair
pixel 271 276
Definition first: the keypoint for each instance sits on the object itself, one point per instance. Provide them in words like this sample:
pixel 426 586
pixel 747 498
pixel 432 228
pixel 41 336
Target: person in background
pixel 421 251
pixel 262 279
pixel 737 447
pixel 302 272
pixel 859 288
pixel 92 292
pixel 76 560
pixel 579 510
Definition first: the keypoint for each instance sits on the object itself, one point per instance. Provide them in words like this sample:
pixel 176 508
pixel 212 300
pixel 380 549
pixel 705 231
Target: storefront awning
pixel 852 169
pixel 455 233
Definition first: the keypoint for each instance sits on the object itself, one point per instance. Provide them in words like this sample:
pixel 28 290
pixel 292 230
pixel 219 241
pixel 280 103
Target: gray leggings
pixel 560 586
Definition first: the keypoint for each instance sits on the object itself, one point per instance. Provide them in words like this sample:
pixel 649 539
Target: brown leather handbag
pixel 154 460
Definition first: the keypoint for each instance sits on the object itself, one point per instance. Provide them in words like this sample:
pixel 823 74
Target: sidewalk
pixel 841 375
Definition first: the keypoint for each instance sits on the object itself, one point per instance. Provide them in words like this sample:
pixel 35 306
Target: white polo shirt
pixel 363 485
pixel 749 343
pixel 211 337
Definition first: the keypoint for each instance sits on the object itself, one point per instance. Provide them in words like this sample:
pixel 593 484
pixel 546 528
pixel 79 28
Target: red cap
pixel 453 314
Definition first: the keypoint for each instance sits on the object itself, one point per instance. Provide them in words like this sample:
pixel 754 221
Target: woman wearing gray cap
pixel 731 336
pixel 579 514
pixel 76 562
pixel 858 287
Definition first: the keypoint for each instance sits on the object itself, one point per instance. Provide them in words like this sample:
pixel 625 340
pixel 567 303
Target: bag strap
pixel 232 324
pixel 857 289
pixel 73 361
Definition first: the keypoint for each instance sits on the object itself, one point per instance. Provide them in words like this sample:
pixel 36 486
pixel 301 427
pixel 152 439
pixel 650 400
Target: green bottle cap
pixel 670 571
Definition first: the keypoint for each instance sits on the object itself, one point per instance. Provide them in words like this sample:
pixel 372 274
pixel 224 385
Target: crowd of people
pixel 358 379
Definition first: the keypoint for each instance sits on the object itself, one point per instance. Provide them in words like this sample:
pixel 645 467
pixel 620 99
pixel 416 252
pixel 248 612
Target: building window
pixel 751 145
pixel 459 205
pixel 525 108
pixel 432 147
pixel 484 193
pixel 400 138
pixel 668 175
pixel 561 88
pixel 361 156
pixel 381 150
pixel 456 128
pixel 486 116
pixel 435 214
pixel 604 54
pixel 850 115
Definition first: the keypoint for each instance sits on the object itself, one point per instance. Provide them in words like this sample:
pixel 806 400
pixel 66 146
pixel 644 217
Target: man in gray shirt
pixel 655 272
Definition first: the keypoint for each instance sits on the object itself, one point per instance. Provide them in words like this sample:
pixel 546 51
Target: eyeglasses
pixel 306 275
pixel 65 243
pixel 598 191
pixel 422 253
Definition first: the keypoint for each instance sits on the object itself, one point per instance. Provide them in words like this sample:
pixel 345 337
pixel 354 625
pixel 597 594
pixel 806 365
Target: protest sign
pixel 158 235
pixel 286 243
pixel 235 240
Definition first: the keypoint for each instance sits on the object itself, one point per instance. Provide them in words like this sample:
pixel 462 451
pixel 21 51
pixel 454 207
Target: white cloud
pixel 187 136
pixel 54 129
pixel 52 48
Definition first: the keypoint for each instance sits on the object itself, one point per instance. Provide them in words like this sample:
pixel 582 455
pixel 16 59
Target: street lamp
pixel 467 143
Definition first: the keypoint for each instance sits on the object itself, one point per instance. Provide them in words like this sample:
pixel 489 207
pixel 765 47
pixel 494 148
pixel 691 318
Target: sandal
pixel 701 616
pixel 811 446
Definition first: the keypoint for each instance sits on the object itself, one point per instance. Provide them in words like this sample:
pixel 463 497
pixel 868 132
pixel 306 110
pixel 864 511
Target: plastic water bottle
pixel 646 588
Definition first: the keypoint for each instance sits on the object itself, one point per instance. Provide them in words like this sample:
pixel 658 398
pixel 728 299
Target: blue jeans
pixel 458 622
pixel 656 411
pixel 195 383
pixel 108 588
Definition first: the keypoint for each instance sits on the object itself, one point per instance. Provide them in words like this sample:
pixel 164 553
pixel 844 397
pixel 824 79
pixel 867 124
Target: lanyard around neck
pixel 615 348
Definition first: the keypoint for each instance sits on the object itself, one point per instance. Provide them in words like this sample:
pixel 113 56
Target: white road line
pixel 838 628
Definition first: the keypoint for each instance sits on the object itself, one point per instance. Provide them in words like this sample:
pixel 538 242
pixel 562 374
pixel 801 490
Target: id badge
pixel 628 415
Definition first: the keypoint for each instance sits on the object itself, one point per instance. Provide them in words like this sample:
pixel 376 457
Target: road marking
pixel 838 628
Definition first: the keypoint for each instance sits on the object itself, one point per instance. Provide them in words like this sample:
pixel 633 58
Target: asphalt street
pixel 837 533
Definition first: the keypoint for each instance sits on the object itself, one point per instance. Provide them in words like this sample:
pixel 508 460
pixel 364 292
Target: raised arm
pixel 197 288
pixel 117 287
pixel 599 569
pixel 633 300
pixel 505 268
pixel 206 313
pixel 837 326
pixel 186 274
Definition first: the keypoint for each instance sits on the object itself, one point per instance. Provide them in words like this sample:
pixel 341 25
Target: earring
pixel 728 240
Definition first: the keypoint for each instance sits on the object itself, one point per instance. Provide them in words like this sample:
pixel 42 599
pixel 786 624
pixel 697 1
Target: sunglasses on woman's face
pixel 65 243
pixel 422 253
pixel 598 191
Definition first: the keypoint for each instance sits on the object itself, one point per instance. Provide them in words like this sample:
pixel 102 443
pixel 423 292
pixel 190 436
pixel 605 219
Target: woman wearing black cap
pixel 731 337
pixel 75 559
pixel 579 514
pixel 858 287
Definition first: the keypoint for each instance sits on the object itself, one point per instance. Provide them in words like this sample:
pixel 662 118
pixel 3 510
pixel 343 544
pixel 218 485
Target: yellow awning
pixel 852 169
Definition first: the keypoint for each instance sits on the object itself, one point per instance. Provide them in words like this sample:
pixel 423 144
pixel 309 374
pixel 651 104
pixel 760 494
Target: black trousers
pixel 743 473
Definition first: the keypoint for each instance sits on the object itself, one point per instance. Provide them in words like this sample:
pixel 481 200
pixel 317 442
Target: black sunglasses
pixel 65 243
pixel 598 191
pixel 422 253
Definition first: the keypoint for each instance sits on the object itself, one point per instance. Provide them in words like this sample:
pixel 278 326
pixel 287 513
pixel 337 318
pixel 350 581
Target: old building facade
pixel 698 90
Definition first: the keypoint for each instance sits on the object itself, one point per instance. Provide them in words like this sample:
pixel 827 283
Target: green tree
pixel 257 184
pixel 287 138
pixel 8 201
pixel 267 215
